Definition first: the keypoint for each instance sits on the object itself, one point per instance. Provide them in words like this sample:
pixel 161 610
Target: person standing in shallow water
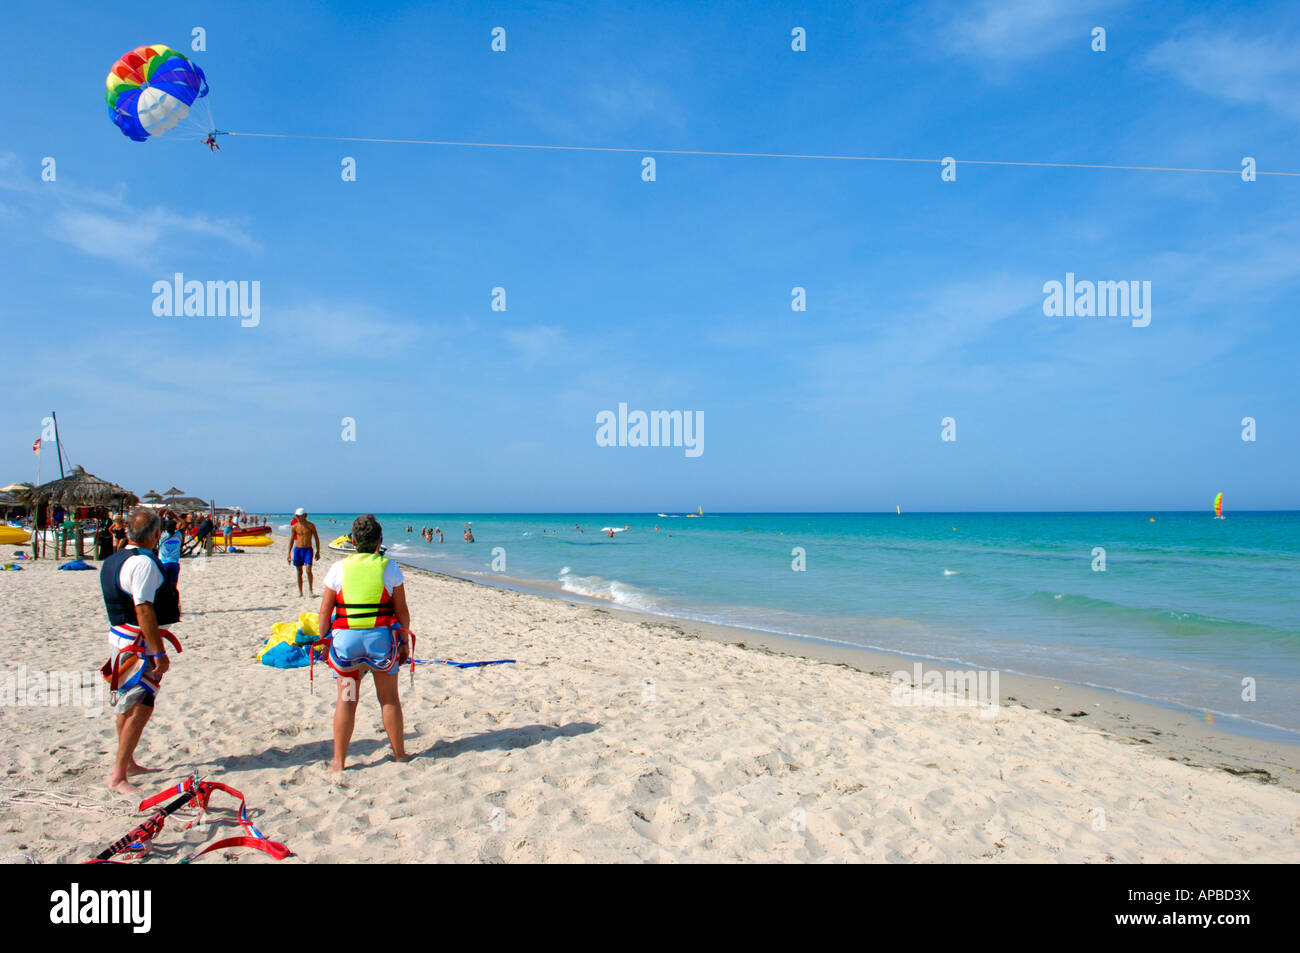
pixel 364 613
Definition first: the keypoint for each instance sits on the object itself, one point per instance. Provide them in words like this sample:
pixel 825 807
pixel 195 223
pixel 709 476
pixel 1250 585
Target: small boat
pixel 343 544
pixel 242 531
pixel 238 541
pixel 14 535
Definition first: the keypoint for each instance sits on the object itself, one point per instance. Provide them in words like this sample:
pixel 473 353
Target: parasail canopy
pixel 151 90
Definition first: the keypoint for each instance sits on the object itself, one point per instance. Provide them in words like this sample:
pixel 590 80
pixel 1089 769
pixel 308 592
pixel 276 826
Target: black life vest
pixel 121 604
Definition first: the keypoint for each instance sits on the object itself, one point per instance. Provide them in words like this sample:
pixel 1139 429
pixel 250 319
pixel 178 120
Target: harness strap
pixel 376 609
pixel 277 850
pixel 199 793
pixel 328 642
pixel 112 670
pixel 186 785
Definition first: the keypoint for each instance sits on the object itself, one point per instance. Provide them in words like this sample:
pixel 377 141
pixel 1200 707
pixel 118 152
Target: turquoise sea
pixel 1186 607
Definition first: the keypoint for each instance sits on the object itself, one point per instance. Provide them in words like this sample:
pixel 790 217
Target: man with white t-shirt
pixel 139 599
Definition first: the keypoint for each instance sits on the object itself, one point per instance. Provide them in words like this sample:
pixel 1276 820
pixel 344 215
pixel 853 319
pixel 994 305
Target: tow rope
pixel 192 790
pixel 445 661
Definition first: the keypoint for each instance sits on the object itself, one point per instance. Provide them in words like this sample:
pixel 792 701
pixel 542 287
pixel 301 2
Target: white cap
pixel 300 512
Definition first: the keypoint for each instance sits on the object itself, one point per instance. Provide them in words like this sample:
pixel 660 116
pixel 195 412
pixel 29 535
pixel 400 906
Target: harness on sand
pixel 192 790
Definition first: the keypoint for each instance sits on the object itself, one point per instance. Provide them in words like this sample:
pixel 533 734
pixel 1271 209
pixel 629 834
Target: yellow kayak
pixel 239 542
pixel 9 535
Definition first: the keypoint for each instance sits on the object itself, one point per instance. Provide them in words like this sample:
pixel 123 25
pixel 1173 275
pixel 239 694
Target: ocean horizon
pixel 1175 608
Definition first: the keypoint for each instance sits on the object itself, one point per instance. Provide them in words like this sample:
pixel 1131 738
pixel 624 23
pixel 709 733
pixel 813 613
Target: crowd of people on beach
pixel 105 531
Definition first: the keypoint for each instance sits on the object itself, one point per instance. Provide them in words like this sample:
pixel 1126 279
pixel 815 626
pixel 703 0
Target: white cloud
pixel 535 343
pixel 606 108
pixel 344 327
pixel 1009 31
pixel 1262 70
pixel 106 224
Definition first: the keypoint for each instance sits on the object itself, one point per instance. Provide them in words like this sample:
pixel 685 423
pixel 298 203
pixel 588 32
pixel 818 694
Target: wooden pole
pixel 57 445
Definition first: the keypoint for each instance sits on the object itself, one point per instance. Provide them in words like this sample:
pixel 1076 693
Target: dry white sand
pixel 612 739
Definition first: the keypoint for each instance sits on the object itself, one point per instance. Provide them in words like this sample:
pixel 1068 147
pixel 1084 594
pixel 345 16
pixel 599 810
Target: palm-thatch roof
pixel 9 499
pixel 80 488
pixel 174 492
pixel 188 504
pixel 152 495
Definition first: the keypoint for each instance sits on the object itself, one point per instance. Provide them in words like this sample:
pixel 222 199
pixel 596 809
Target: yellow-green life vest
pixel 362 602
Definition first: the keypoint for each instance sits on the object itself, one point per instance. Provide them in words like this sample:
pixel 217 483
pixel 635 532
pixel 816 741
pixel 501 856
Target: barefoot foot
pixel 123 787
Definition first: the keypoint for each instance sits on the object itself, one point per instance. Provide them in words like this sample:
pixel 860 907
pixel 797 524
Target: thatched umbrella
pixel 152 496
pixel 80 488
pixel 15 488
pixel 175 492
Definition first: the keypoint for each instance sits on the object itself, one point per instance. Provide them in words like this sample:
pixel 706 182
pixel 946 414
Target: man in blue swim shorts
pixel 303 538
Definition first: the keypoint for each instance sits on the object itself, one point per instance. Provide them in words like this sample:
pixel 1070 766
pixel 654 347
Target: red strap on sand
pixel 200 793
pixel 277 850
pixel 186 785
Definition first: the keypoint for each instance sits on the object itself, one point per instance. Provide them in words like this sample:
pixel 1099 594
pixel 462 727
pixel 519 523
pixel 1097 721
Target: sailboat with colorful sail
pixel 1218 507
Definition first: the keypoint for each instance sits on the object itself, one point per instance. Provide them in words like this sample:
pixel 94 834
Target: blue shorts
pixel 302 555
pixel 172 572
pixel 353 652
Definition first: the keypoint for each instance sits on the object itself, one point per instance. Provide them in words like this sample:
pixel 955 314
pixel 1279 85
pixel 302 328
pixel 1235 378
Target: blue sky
pixel 924 297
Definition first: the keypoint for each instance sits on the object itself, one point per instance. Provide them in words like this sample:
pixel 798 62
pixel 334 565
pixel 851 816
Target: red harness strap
pixel 137 842
pixel 112 669
pixel 275 850
pixel 327 641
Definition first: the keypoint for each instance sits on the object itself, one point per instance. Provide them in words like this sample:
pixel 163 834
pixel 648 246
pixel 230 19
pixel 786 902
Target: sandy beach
pixel 615 737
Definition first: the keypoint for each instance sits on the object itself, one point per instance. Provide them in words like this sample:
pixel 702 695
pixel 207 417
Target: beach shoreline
pixel 1178 735
pixel 616 737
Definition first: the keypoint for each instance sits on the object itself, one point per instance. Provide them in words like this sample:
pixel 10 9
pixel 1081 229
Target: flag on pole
pixel 36 447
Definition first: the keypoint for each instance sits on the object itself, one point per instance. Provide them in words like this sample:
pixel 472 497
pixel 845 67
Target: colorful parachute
pixel 151 90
